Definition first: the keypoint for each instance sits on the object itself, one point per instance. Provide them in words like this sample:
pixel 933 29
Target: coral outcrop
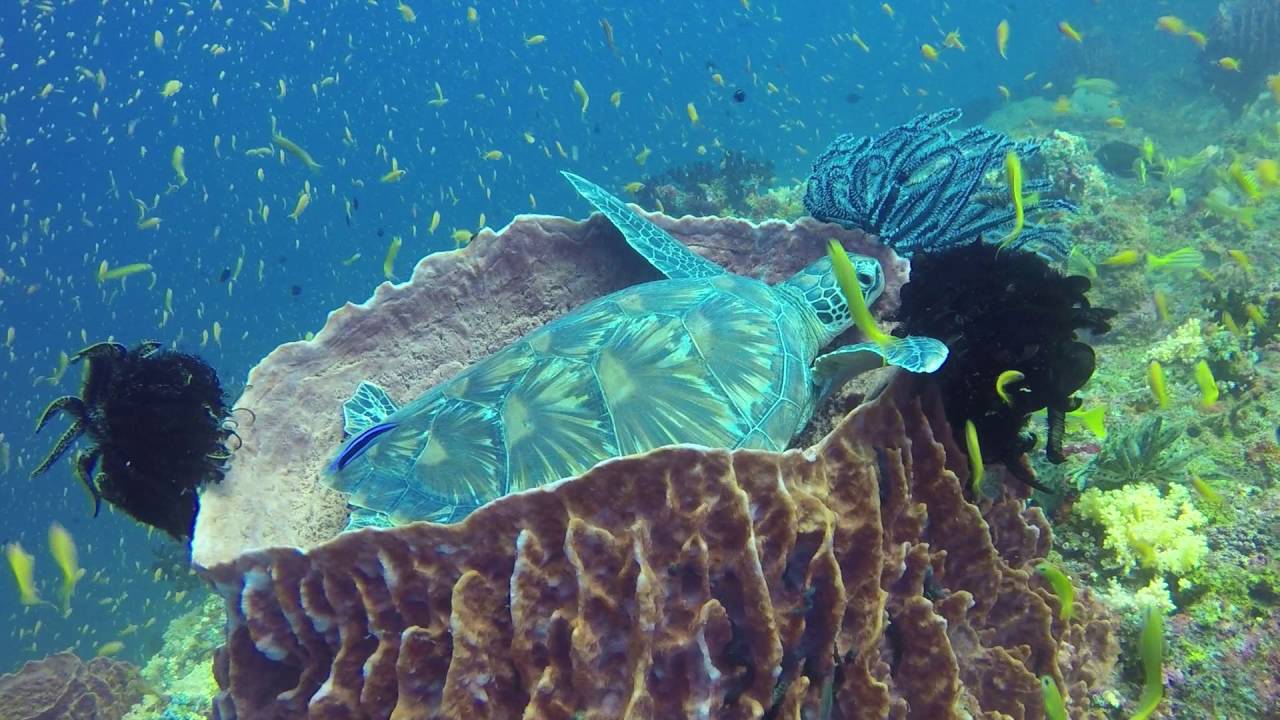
pixel 458 308
pixel 63 687
pixel 852 577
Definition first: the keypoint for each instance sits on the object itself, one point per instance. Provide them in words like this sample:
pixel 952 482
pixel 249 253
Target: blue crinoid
pixel 920 187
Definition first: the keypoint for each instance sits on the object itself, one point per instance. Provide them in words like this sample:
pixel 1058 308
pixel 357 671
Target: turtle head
pixel 816 284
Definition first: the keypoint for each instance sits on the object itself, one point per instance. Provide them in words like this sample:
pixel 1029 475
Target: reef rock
pixel 852 577
pixel 457 308
pixel 63 687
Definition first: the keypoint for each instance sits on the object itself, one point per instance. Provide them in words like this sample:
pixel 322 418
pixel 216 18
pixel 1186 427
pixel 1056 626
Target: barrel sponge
pixel 683 582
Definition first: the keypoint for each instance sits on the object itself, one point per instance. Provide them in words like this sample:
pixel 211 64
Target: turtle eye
pixel 865 279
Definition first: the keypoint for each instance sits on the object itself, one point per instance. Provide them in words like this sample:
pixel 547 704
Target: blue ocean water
pixel 352 83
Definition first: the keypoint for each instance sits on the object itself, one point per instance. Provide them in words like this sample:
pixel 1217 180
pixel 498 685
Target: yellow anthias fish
pixel 1123 258
pixel 1002 38
pixel 1197 37
pixel 692 112
pixel 888 9
pixel 435 222
pixel 304 199
pixel 63 549
pixel 295 150
pixel 108 649
pixel 643 155
pixel 1218 202
pixel 394 174
pixel 615 98
pixel 581 92
pixel 124 271
pixel 1268 172
pixel 157 39
pixel 1062 105
pixel 392 250
pixel 472 15
pixel 633 187
pixel 1003 381
pixel 1208 386
pixel 976 468
pixel 952 40
pixel 1273 84
pixel 1187 258
pixel 1013 176
pixel 493 155
pixel 1177 197
pixel 177 160
pixel 1247 185
pixel 1065 28
pixel 1171 24
pixel 531 40
pixel 1159 389
pixel 1117 122
pixel 1093 419
pixel 23 565
pixel 407 12
pixel 1229 63
pixel 929 52
pixel 171 88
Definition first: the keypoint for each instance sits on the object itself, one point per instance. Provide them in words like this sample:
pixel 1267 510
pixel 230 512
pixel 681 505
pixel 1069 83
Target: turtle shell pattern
pixel 717 361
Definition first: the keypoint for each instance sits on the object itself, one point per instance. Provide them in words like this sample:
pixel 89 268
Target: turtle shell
pixel 716 361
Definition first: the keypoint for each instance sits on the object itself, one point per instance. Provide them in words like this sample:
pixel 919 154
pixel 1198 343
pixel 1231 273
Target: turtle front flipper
pixel 369 406
pixel 914 354
pixel 668 255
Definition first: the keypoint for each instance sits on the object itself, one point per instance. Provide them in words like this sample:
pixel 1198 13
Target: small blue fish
pixel 359 444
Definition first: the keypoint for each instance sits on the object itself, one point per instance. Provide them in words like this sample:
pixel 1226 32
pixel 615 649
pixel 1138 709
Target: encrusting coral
pixel 63 687
pixel 852 578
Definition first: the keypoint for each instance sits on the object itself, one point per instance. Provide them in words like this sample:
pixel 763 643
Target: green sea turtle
pixel 703 357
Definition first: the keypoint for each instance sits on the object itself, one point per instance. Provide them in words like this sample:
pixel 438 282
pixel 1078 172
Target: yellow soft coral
pixel 1140 527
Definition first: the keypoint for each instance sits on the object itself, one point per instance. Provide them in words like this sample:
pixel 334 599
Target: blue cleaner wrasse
pixel 1062 587
pixel 1003 381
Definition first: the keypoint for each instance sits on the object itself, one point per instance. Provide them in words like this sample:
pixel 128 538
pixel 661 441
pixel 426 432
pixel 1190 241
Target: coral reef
pixel 919 187
pixel 725 186
pixel 1142 527
pixel 411 336
pixel 1140 452
pixel 678 583
pixel 1249 31
pixel 63 687
pixel 180 675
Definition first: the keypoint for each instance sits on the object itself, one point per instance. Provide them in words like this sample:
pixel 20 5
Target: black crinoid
pixel 1001 310
pixel 159 427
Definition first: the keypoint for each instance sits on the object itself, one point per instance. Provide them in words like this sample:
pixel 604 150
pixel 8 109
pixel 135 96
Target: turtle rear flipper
pixel 369 406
